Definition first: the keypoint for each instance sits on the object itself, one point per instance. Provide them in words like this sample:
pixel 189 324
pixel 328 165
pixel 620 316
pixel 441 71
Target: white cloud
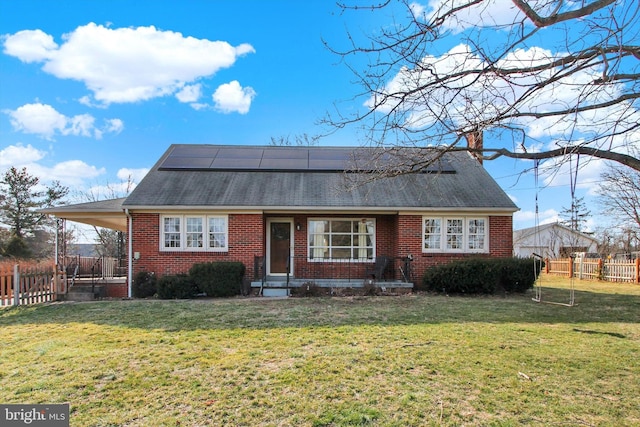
pixel 231 97
pixel 19 156
pixel 70 173
pixel 81 125
pixel 38 119
pixel 135 175
pixel 125 64
pixel 424 96
pixel 199 106
pixel 500 13
pixel 189 93
pixel 417 9
pixel 46 122
pixel 525 219
pixel 30 45
pixel 128 180
pixel 561 172
pixel 113 126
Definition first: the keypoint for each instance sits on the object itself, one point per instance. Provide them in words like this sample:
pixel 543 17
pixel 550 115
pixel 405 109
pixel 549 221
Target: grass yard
pixel 382 361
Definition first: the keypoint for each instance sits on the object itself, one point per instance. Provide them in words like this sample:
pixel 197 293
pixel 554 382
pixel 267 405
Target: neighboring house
pixel 552 240
pixel 306 213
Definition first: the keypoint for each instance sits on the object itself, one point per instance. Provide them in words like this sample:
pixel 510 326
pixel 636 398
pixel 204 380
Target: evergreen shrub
pixel 180 286
pixel 144 285
pixel 307 289
pixel 218 279
pixel 482 276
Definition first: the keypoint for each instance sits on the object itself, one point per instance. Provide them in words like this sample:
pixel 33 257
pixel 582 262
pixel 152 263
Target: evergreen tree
pixel 576 216
pixel 20 202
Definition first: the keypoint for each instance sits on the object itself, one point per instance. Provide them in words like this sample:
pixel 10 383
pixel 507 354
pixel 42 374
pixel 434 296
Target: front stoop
pixel 276 292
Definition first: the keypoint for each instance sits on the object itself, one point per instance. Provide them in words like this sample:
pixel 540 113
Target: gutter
pixel 130 253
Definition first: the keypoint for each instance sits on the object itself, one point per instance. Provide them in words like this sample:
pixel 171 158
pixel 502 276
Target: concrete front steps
pixel 86 292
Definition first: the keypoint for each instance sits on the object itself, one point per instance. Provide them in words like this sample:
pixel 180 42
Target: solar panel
pixel 235 163
pixel 194 151
pixel 195 157
pixel 187 163
pixel 240 153
pixel 284 164
pixel 286 153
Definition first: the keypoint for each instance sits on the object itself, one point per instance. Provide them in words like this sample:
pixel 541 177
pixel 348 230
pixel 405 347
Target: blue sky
pixel 93 92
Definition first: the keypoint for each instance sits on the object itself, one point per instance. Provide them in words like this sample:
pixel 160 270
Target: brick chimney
pixel 474 142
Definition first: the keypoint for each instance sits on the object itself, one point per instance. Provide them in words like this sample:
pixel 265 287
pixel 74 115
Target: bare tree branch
pixel 582 93
pixel 540 21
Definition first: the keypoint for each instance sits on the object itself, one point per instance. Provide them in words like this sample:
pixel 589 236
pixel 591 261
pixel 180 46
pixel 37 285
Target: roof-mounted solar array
pixel 327 159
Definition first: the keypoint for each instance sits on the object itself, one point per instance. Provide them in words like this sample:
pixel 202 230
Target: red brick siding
pixel 246 233
pixel 385 245
pixel 410 242
pixel 117 290
pixel 396 236
pixel 501 236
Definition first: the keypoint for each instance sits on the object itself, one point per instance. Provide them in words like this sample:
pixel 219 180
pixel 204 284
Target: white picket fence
pixel 610 270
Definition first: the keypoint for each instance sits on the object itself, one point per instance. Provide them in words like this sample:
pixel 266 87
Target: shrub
pixel 482 276
pixel 144 285
pixel 180 286
pixel 307 289
pixel 218 279
pixel 370 289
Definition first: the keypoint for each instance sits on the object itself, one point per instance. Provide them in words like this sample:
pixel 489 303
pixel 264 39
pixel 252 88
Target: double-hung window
pixel 341 239
pixel 193 233
pixel 455 234
pixel 171 232
pixel 217 233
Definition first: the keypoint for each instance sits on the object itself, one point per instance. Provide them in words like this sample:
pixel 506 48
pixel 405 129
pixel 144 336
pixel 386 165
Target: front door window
pixel 280 247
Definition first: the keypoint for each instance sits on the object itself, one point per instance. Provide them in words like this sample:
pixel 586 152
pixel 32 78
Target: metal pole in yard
pixel 16 285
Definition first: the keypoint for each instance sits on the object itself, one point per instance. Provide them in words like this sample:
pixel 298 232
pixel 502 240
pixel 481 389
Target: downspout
pixel 130 253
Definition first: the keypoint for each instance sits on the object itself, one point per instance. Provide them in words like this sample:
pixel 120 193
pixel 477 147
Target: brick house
pixel 293 215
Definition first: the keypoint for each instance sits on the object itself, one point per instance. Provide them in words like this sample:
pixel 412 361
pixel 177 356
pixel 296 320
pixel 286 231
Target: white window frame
pixel 447 235
pixel 355 234
pixel 204 238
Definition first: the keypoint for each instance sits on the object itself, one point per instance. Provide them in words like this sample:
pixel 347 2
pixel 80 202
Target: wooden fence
pixel 610 270
pixel 29 285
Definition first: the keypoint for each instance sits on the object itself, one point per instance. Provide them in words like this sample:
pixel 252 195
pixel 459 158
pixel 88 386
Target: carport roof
pixel 105 213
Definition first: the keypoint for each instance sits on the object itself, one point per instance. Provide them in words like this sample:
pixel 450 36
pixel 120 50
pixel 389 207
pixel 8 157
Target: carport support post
pixel 16 285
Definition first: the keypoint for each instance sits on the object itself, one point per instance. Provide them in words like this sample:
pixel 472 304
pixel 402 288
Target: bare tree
pixel 444 75
pixel 109 242
pixel 302 140
pixel 619 197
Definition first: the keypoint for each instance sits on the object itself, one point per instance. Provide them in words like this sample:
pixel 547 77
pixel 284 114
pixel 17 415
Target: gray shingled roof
pixel 235 186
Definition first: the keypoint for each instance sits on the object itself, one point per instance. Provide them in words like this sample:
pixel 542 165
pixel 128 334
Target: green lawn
pixel 382 361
